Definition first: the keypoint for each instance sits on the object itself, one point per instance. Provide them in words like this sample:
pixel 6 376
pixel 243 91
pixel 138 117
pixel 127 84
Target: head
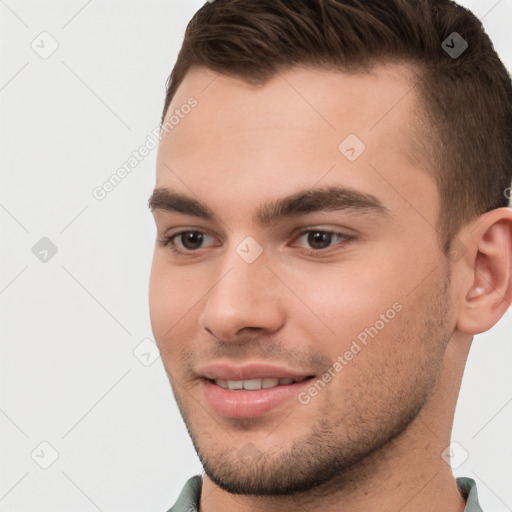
pixel 332 207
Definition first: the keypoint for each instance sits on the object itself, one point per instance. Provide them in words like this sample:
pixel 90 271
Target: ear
pixel 485 291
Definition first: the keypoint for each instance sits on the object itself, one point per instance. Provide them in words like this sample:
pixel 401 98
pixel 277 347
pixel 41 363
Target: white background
pixel 68 374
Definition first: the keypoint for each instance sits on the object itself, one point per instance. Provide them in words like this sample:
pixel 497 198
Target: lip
pixel 248 371
pixel 249 404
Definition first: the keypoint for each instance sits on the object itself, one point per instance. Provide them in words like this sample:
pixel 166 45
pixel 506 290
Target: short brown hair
pixel 466 101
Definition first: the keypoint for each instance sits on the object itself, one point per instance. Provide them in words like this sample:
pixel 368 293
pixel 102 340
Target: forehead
pixel 302 127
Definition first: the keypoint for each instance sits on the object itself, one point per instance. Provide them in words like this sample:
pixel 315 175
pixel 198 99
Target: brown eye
pixel 191 239
pixel 319 239
pixel 186 243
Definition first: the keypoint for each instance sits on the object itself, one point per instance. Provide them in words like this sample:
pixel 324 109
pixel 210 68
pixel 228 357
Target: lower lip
pixel 249 404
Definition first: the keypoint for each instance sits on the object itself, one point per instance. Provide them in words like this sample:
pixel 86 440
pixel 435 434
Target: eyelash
pixel 169 241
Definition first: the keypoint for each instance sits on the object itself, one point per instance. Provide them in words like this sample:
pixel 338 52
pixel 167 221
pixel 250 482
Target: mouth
pixel 251 390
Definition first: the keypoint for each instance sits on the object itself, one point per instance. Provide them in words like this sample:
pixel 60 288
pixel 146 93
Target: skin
pixel 373 437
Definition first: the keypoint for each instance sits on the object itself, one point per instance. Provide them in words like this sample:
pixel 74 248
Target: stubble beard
pixel 338 446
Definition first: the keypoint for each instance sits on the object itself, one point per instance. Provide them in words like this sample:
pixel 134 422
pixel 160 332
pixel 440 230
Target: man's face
pixel 260 293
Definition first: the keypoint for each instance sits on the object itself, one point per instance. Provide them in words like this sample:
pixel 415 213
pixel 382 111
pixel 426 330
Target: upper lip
pixel 225 371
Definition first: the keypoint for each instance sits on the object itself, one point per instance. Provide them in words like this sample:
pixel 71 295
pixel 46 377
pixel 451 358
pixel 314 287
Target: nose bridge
pixel 243 271
pixel 244 294
pixel 242 282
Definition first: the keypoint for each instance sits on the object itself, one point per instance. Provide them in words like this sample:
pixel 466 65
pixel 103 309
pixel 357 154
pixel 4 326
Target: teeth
pixel 255 384
pixel 252 384
pixel 269 383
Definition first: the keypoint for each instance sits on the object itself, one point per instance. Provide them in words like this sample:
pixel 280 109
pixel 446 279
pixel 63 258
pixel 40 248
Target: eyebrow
pixel 300 203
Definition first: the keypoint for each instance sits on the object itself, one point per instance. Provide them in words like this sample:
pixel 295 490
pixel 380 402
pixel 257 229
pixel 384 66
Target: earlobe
pixel 489 258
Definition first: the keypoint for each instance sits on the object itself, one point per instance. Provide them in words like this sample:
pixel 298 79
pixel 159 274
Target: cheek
pixel 158 305
pixel 402 347
pixel 388 368
pixel 341 302
pixel 171 298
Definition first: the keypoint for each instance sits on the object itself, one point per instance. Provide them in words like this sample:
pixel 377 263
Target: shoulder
pixel 188 500
pixel 467 488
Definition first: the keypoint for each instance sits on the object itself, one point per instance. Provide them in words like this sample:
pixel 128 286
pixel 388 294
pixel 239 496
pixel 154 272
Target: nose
pixel 244 298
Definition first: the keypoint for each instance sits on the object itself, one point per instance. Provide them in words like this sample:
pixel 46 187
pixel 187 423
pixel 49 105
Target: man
pixel 332 230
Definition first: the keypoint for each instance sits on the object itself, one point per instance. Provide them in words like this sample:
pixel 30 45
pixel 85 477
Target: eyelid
pixel 335 230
